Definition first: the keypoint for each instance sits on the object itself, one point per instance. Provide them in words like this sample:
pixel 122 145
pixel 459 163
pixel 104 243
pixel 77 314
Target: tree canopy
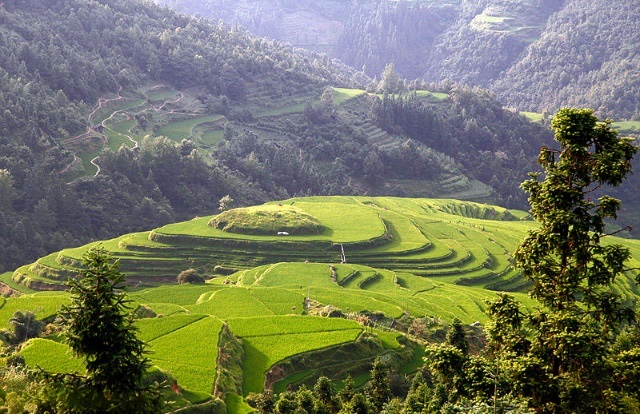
pixel 98 327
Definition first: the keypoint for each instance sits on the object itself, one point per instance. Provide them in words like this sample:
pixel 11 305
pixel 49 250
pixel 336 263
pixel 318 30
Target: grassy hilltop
pixel 262 317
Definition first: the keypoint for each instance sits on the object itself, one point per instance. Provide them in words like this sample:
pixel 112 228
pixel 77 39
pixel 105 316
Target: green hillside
pixel 377 261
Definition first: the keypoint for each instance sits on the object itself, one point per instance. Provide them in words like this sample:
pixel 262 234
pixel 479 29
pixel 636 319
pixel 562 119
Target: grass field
pixel 190 354
pixel 342 94
pixel 51 356
pixel 184 129
pixel 261 352
pixel 533 116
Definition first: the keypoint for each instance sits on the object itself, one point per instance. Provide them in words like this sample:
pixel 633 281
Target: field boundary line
pixel 179 328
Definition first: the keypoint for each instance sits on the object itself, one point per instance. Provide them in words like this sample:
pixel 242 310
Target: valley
pixel 339 229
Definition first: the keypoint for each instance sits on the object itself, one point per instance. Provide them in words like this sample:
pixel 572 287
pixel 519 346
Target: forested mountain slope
pixel 57 58
pixel 88 86
pixel 587 56
pixel 534 54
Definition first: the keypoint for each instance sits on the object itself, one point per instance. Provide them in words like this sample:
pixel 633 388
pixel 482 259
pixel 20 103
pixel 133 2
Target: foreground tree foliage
pixel 99 328
pixel 560 357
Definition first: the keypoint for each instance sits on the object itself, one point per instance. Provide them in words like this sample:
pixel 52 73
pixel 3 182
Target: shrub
pixel 144 312
pixel 267 220
pixel 190 276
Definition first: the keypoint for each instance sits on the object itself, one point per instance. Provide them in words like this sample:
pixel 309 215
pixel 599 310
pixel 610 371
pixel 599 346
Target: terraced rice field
pixel 424 257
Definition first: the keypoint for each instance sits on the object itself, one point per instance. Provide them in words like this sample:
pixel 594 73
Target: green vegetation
pixel 265 304
pixel 51 356
pixel 190 354
pixel 267 220
pixel 627 126
pixel 247 118
pixel 571 353
pixel 424 259
pixel 180 130
pixel 98 330
pixel 533 116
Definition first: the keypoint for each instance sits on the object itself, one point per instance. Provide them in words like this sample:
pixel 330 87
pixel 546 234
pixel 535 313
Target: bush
pixel 267 220
pixel 190 276
pixel 144 312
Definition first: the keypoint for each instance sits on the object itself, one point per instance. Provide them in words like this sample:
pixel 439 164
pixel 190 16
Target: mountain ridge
pixel 536 55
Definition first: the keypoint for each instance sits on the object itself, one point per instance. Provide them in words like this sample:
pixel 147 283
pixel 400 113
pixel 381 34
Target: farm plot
pixel 231 303
pixel 347 218
pixel 51 356
pixel 287 324
pixel 42 304
pixel 182 295
pixel 296 275
pixel 341 95
pixel 153 328
pixel 447 239
pixel 177 131
pixel 283 337
pixel 358 300
pixel 190 354
pixel 262 352
pixel 280 301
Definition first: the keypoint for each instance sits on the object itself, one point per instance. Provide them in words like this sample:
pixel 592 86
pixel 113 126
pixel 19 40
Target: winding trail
pixel 102 102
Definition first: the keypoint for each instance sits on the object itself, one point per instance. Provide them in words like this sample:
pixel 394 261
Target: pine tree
pixel 457 336
pixel 99 328
pixel 378 390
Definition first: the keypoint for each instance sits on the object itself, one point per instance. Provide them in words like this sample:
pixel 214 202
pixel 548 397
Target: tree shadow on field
pixel 254 368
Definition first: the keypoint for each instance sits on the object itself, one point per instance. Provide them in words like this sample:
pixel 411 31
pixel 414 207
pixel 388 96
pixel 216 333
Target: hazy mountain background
pixel 536 55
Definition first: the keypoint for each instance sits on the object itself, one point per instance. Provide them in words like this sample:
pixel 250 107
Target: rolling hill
pixel 301 304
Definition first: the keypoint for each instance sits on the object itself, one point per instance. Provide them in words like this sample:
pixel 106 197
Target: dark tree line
pixel 471 129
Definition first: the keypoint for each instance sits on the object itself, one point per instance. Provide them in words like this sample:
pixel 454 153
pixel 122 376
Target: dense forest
pixel 58 59
pixel 536 55
pixel 587 56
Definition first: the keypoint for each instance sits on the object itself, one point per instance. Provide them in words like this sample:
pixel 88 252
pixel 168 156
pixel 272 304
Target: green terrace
pixel 447 240
pixel 288 307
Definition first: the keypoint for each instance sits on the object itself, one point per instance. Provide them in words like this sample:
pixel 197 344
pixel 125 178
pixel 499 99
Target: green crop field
pixel 190 354
pixel 43 304
pixel 51 356
pixel 533 116
pixel 435 258
pixel 261 352
pixel 341 95
pixel 627 126
pixel 184 129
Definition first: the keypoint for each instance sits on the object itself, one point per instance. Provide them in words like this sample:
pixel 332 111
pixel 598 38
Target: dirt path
pixel 102 102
